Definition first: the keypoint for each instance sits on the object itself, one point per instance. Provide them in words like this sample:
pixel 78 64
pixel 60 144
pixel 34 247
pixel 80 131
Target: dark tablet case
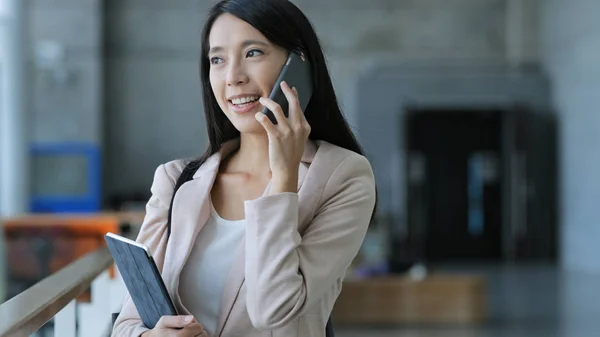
pixel 142 279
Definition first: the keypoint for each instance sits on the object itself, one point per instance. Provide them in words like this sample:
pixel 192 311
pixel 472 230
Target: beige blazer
pixel 289 268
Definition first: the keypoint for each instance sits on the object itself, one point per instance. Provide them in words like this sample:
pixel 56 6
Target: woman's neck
pixel 252 157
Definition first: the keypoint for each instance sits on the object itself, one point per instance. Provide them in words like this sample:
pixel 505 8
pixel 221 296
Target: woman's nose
pixel 236 75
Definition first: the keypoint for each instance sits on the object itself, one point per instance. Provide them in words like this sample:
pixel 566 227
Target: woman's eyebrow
pixel 246 43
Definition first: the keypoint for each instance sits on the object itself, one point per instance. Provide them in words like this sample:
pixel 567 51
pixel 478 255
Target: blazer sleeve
pixel 287 273
pixel 153 233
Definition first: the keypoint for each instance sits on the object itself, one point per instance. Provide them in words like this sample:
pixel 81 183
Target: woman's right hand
pixel 179 326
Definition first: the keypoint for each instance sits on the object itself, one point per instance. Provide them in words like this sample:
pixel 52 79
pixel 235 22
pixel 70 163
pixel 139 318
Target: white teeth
pixel 243 100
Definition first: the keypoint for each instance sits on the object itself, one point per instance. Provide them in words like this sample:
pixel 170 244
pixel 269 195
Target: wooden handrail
pixel 30 310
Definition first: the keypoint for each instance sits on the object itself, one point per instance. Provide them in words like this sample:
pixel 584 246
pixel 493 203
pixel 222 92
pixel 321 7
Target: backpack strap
pixel 186 175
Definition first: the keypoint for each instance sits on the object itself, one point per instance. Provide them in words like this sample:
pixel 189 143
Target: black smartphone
pixel 296 73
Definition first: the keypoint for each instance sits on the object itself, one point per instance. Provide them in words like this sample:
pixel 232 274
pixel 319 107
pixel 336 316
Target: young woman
pixel 254 238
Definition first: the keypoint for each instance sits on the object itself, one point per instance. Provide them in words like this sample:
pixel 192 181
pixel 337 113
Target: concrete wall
pixel 66 90
pixel 571 48
pixel 153 99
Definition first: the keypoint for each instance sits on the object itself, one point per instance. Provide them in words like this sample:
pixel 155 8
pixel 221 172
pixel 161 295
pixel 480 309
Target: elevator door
pixel 460 193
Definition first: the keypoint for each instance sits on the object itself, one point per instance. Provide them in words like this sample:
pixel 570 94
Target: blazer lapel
pixel 190 213
pixel 235 278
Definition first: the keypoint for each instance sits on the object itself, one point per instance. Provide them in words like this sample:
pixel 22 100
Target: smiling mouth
pixel 243 105
pixel 244 101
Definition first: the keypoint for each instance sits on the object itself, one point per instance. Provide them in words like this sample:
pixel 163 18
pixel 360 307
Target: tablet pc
pixel 142 279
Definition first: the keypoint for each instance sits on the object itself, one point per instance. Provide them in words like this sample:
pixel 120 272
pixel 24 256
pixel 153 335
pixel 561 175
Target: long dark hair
pixel 282 23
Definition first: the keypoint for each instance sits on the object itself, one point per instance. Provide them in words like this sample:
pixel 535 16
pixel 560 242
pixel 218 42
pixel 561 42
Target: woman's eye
pixel 253 53
pixel 216 60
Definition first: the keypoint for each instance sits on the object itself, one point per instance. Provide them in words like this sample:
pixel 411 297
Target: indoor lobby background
pixel 480 119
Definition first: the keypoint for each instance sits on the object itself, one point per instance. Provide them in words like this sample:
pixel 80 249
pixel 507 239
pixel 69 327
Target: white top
pixel 203 276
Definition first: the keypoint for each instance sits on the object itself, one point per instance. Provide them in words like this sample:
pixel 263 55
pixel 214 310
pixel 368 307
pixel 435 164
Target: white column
pixel 14 168
pixel 95 318
pixel 65 321
pixel 571 50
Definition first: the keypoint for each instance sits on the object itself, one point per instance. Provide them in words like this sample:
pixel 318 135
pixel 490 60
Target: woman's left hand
pixel 287 140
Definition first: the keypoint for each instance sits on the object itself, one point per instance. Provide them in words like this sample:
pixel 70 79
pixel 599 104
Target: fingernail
pixel 189 319
pixel 284 83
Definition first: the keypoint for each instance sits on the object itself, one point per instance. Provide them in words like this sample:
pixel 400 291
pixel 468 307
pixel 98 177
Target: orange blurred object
pixel 40 245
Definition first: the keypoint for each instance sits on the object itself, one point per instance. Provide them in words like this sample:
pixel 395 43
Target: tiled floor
pixel 528 301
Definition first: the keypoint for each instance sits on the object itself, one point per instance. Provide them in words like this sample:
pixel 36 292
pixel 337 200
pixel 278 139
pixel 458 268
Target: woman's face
pixel 244 66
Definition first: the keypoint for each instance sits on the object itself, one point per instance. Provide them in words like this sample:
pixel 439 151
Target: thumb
pixel 174 321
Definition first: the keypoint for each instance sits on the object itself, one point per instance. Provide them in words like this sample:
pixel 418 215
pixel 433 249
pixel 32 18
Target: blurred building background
pixel 479 118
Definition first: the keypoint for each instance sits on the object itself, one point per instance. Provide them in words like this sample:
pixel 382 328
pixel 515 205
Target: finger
pixel 192 330
pixel 266 123
pixel 275 109
pixel 294 104
pixel 196 329
pixel 202 334
pixel 173 322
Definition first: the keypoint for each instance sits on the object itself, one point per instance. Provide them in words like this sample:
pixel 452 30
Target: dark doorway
pixel 458 191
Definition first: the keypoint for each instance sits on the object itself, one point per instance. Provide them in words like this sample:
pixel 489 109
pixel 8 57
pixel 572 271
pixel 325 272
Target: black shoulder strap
pixel 186 175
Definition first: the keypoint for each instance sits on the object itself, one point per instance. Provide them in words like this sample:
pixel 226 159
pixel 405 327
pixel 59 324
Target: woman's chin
pixel 249 126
